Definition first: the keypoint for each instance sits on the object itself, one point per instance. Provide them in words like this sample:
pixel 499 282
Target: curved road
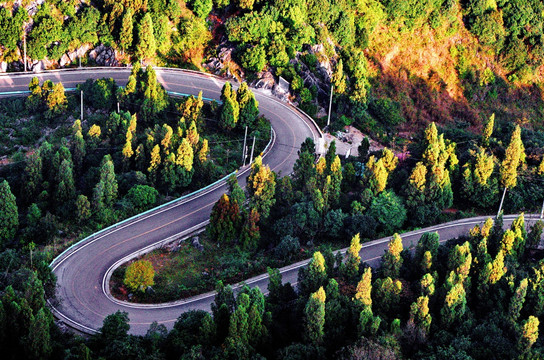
pixel 82 271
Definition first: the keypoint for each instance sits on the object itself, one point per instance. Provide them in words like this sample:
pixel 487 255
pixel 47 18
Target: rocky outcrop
pixel 103 55
pixel 74 56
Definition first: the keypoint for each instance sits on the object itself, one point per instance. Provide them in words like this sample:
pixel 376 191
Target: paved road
pixel 82 271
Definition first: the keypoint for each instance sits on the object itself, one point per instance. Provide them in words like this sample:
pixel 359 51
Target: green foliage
pixel 9 214
pixel 139 275
pixel 142 197
pixel 146 46
pixel 388 210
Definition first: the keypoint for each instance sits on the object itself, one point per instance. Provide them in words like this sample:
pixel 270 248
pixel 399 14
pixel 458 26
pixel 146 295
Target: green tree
pixel 146 46
pixel 387 293
pixel 39 339
pixel 230 111
pixel 517 301
pixel 32 177
pixel 56 101
pixel 388 210
pixel 313 276
pixel 529 333
pixel 353 259
pixel 9 214
pixel 139 275
pixel 142 196
pixel 454 304
pixel 515 155
pixel 66 189
pixel 314 316
pixel 488 130
pixel 107 177
pixel 83 208
pixel 250 234
pixel 249 106
pixel 202 7
pixel 419 314
pixel 261 186
pixel 127 30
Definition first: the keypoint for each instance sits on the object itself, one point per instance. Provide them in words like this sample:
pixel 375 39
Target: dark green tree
pixel 9 214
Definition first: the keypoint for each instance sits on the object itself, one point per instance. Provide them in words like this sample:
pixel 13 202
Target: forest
pixel 450 90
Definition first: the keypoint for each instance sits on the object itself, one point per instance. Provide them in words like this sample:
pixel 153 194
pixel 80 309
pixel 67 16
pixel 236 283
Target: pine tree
pixel 155 160
pixel 192 134
pixel 515 155
pixel 336 181
pixel 261 186
pixel 107 177
pixel 249 106
pixel 364 289
pixel 83 208
pixel 224 220
pixel 339 78
pixel 250 234
pixel 427 285
pixel 387 293
pixel 203 152
pixel 314 315
pixel 313 276
pixel 529 333
pixel 460 260
pixel 454 304
pixel 39 339
pixel 66 189
pixel 32 177
pixel 56 101
pixel 146 39
pixel 9 214
pixel 230 110
pixel 488 130
pixel 516 303
pixel 353 260
pixel 127 29
pixel 78 150
pixel 392 261
pixel 419 314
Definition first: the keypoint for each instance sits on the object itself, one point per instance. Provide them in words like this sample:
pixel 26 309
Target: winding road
pixel 83 299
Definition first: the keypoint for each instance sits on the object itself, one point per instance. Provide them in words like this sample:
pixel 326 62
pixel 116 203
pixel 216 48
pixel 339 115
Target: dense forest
pixel 451 90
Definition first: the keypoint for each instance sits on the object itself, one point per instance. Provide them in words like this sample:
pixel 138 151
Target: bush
pixel 139 275
pixel 389 212
pixel 386 111
pixel 142 196
pixel 287 248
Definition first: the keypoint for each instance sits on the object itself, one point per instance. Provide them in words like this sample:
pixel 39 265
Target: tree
pixel 83 208
pixel 66 189
pixel 202 7
pixel 515 155
pixel 146 39
pixel 454 304
pixel 392 261
pixel 142 196
pixel 127 29
pixel 488 130
pixel 353 258
pixel 529 333
pixel 230 111
pixel 224 220
pixel 139 275
pixel 39 338
pixel 249 106
pixel 9 214
pixel 419 314
pixel 388 210
pixel 56 101
pixel 250 234
pixel 314 315
pixel 203 152
pixel 516 303
pixel 78 150
pixel 364 289
pixel 313 276
pixel 32 177
pixel 261 186
pixel 107 177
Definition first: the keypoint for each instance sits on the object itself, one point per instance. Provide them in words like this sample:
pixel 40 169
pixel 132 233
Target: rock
pixel 38 67
pixel 65 60
pixel 3 66
pixel 196 244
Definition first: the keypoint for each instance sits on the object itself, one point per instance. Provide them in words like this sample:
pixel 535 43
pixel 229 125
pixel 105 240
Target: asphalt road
pixel 83 299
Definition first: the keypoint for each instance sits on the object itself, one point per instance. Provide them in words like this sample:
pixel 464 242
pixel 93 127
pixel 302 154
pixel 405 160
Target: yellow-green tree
pixel 419 314
pixel 364 289
pixel 261 186
pixel 529 333
pixel 353 258
pixel 515 155
pixel 139 275
pixel 392 261
pixel 314 316
pixel 488 130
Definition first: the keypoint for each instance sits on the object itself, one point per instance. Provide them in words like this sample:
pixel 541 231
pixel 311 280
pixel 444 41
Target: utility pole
pixel 252 149
pixel 542 211
pixel 118 110
pixel 330 107
pixel 24 46
pixel 244 150
pixel 81 105
pixel 502 200
pixel 79 57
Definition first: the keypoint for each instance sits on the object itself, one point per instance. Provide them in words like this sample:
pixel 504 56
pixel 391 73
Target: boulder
pixel 3 66
pixel 65 60
pixel 38 67
pixel 195 242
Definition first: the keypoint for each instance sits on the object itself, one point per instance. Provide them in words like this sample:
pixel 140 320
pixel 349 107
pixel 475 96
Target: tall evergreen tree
pixel 146 39
pixel 230 111
pixel 9 214
pixel 515 155
pixel 127 30
pixel 392 261
pixel 314 316
pixel 261 186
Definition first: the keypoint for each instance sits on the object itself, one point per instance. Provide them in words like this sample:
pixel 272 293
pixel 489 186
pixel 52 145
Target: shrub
pixel 139 275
